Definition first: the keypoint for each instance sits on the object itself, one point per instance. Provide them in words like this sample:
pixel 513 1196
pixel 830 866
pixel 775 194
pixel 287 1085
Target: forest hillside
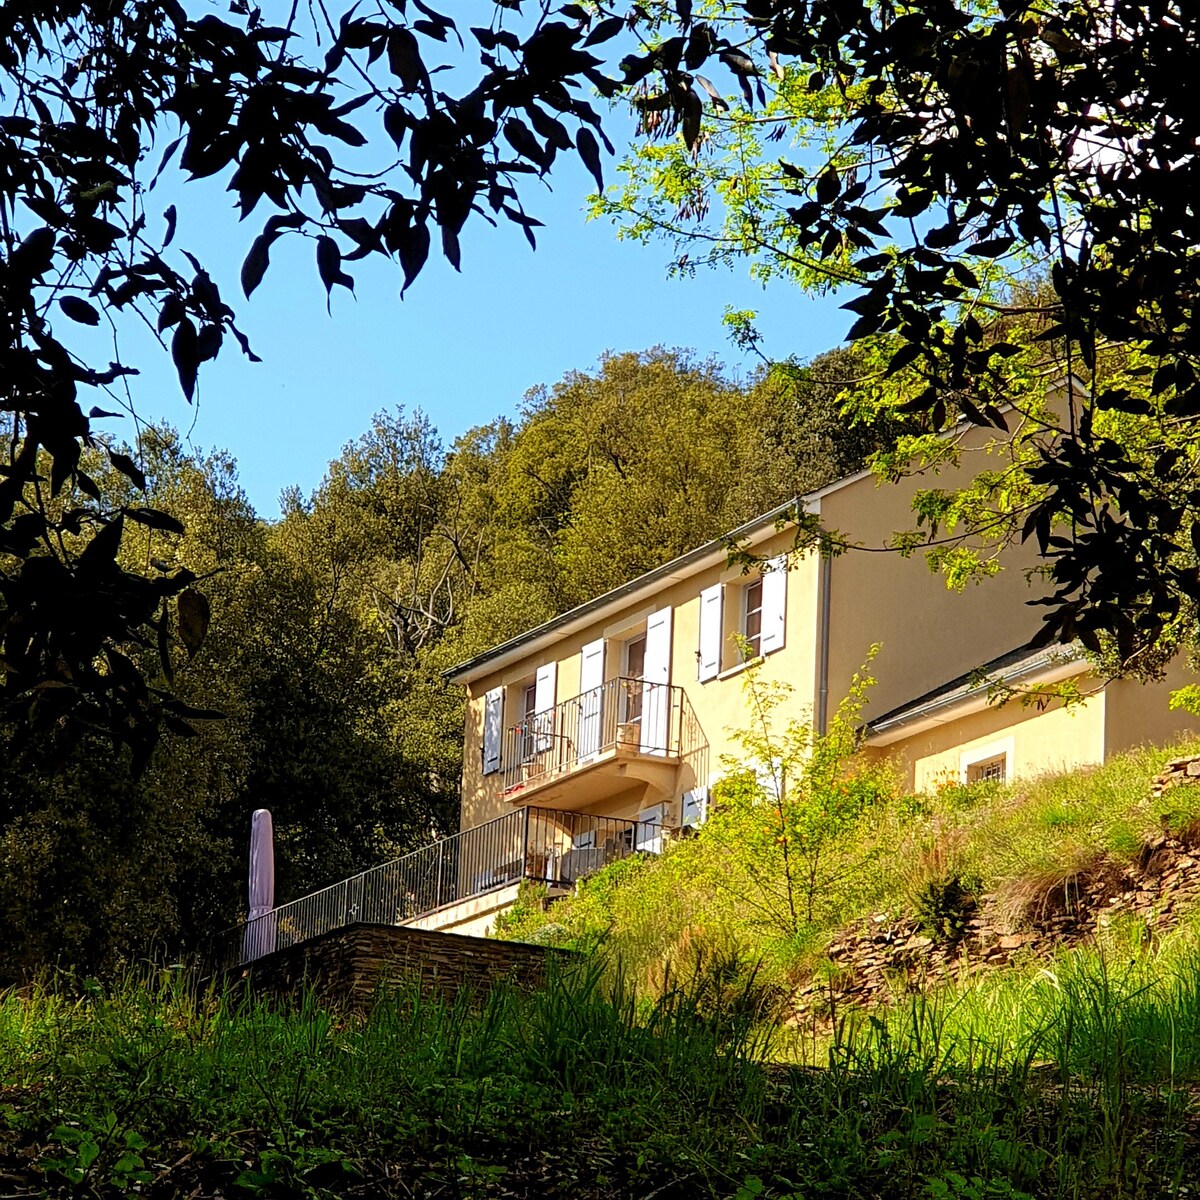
pixel 317 692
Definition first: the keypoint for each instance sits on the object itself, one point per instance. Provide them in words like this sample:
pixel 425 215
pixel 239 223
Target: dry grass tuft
pixel 1188 835
pixel 1058 891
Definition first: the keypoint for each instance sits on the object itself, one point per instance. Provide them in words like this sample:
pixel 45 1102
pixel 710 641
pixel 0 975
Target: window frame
pixel 632 701
pixel 977 756
pixel 753 647
pixel 527 707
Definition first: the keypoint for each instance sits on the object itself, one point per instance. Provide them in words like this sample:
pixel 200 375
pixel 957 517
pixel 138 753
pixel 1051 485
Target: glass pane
pixel 635 658
pixel 753 624
pixel 991 770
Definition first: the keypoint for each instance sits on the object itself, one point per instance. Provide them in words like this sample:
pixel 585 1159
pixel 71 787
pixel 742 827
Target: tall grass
pixel 583 1089
pixel 1012 840
pixel 1087 1011
pixel 489 1075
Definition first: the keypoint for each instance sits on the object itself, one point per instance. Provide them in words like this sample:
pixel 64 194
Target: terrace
pixel 546 846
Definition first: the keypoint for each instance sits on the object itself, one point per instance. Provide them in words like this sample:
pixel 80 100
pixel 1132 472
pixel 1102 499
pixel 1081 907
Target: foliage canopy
pixel 99 100
pixel 946 152
pixel 1007 189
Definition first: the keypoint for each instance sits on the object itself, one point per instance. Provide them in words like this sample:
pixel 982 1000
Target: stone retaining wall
pixel 1178 770
pixel 884 957
pixel 348 966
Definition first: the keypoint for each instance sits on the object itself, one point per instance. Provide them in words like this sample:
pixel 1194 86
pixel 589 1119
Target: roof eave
pixel 749 533
pixel 1051 667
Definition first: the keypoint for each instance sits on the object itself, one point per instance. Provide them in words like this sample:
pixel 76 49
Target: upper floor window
pixel 752 617
pixel 528 711
pixel 635 669
pixel 635 657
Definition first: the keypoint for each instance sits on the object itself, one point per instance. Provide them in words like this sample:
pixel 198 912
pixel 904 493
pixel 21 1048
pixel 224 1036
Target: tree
pixel 614 472
pixel 946 156
pixel 100 863
pixel 99 101
pixel 786 804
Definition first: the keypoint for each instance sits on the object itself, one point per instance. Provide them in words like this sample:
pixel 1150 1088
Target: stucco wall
pixel 928 634
pixel 719 703
pixel 1139 714
pixel 474 917
pixel 1053 739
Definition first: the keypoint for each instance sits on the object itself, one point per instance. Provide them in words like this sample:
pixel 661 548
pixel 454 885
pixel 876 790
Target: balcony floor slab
pixel 606 774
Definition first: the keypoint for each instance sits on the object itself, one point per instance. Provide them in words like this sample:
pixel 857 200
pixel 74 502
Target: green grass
pixel 580 1089
pixel 653 1068
pixel 1011 840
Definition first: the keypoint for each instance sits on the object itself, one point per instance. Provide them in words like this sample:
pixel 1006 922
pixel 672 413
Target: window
pixel 990 770
pixel 757 615
pixel 635 668
pixel 752 615
pixel 528 710
pixel 648 834
pixel 693 807
pixel 987 764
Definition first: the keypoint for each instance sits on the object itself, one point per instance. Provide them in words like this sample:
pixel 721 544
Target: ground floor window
pixel 991 770
pixel 987 764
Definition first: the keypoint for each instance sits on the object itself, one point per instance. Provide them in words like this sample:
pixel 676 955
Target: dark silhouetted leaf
pixel 414 250
pixel 128 468
pixel 589 151
pixel 186 356
pixel 79 310
pixel 604 30
pixel 194 615
pixel 101 551
pixel 155 519
pixel 257 261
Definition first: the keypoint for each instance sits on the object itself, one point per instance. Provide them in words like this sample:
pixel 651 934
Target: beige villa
pixel 604 729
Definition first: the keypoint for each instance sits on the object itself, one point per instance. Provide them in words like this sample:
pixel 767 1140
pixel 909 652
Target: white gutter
pixel 1049 667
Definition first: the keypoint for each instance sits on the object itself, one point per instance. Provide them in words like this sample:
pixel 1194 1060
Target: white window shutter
pixel 656 695
pixel 710 631
pixel 658 647
pixel 493 721
pixel 648 833
pixel 543 702
pixel 774 604
pixel 591 697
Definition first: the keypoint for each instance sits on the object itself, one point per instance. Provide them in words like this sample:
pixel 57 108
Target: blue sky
pixel 463 347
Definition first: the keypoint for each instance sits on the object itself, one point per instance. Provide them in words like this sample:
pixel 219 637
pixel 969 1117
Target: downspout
pixel 822 714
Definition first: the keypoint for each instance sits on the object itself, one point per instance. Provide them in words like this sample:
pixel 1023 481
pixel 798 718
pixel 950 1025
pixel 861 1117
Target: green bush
pixel 943 906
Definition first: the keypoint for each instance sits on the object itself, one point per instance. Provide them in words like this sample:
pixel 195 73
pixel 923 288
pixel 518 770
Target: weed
pixel 943 907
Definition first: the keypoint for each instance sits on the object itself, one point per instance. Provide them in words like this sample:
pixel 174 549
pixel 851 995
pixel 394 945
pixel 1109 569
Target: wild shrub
pixel 788 805
pixel 943 906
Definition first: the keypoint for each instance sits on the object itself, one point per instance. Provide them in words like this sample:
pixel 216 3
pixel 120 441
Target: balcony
pixel 553 848
pixel 623 734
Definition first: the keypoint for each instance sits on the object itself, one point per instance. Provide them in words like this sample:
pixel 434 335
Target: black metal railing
pixel 622 714
pixel 555 848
